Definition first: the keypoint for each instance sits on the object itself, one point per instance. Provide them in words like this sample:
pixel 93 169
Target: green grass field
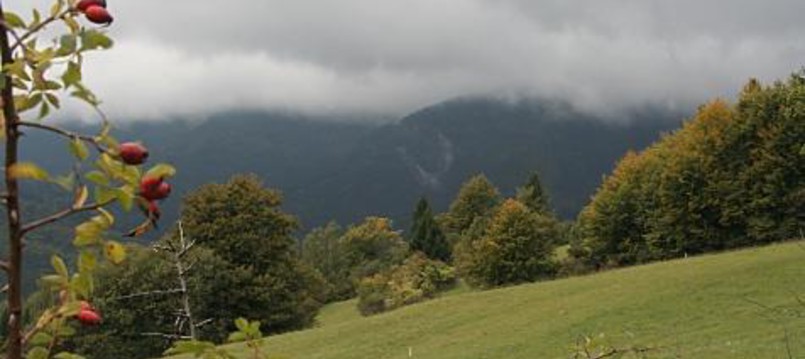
pixel 732 305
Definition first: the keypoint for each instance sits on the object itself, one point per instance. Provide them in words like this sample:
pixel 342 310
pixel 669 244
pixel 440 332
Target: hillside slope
pixel 693 308
pixel 346 170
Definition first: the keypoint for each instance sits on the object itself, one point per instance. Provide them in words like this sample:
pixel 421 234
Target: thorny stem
pixel 12 203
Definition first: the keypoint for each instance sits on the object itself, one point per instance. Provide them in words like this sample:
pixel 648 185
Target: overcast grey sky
pixel 195 57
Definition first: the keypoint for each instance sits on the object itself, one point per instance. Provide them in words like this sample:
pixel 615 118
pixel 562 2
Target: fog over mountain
pixel 194 58
pixel 343 170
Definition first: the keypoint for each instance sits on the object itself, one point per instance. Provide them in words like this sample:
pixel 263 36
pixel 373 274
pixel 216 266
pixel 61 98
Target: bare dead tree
pixel 185 326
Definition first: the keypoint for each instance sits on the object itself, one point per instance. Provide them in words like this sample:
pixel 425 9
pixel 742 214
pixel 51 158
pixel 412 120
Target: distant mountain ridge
pixel 343 170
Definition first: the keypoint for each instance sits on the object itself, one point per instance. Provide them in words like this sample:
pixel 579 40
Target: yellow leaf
pixel 108 218
pixel 79 149
pixel 59 265
pixel 115 252
pixel 81 196
pixel 161 170
pixel 28 170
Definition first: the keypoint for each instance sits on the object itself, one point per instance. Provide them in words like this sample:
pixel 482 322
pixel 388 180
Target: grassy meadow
pixel 732 305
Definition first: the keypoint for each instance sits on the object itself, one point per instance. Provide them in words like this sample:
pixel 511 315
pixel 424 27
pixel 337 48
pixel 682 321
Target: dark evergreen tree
pixel 426 236
pixel 533 195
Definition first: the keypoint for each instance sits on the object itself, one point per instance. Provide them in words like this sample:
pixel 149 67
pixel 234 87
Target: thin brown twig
pixel 72 135
pixel 62 214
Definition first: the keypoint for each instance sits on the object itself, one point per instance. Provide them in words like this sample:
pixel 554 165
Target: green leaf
pixel 72 76
pixel 88 233
pixel 242 324
pixel 97 177
pixel 131 174
pixel 108 141
pixel 125 195
pixel 37 19
pixel 85 240
pixel 53 99
pixel 59 266
pixel 85 95
pixel 72 24
pixel 37 353
pixel 67 45
pixel 66 355
pixel 19 84
pixel 93 39
pixel 56 8
pixel 18 69
pixel 52 280
pixel 161 170
pixel 66 330
pixel 82 284
pixel 66 182
pixel 13 19
pixel 104 194
pixel 194 347
pixel 28 170
pixel 79 149
pixel 69 309
pixel 41 339
pixel 24 102
pixel 44 110
pixel 237 337
pixel 87 262
pixel 108 165
pixel 115 252
pixel 52 85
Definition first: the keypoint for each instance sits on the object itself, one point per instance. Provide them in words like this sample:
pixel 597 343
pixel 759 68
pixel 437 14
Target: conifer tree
pixel 533 195
pixel 426 236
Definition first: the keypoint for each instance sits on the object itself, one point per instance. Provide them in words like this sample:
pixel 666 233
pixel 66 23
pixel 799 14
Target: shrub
pixel 415 280
pixel 515 246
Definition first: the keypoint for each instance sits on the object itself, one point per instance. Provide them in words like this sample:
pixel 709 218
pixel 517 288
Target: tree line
pixel 732 176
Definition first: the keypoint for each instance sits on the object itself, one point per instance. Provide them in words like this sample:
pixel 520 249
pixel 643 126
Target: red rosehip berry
pixel 132 153
pixel 88 317
pixel 98 14
pixel 83 5
pixel 154 188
